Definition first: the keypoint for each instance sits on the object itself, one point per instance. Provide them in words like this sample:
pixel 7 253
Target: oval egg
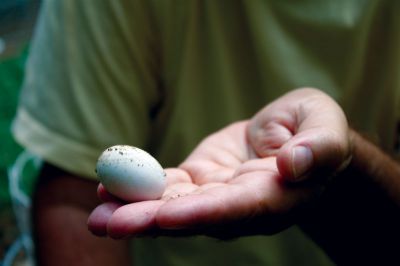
pixel 131 173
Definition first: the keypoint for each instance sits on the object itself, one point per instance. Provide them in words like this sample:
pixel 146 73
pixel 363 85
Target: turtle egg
pixel 131 174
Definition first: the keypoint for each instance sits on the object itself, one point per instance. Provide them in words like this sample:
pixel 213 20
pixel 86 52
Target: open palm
pixel 230 185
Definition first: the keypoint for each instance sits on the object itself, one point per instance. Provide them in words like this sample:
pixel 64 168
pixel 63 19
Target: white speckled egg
pixel 131 173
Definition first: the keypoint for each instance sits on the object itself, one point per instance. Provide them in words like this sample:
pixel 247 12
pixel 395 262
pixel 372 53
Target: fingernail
pixel 302 160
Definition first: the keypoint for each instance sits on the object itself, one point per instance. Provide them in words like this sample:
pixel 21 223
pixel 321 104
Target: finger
pixel 249 195
pixel 140 218
pixel 133 219
pixel 178 190
pixel 309 132
pixel 98 219
pixel 105 196
pixel 313 151
pixel 186 212
pixel 176 175
pixel 212 209
pixel 321 142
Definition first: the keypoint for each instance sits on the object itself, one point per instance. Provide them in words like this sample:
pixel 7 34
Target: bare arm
pixel 62 203
pixel 382 170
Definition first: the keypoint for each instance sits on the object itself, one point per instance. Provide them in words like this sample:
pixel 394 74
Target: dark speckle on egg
pixel 127 171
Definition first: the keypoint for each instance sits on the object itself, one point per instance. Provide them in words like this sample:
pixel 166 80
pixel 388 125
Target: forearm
pixel 62 203
pixel 372 163
pixel 357 219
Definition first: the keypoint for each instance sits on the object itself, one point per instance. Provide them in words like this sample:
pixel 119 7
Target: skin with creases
pixel 237 163
pixel 296 161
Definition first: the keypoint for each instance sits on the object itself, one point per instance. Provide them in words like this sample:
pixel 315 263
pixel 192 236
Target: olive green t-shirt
pixel 161 75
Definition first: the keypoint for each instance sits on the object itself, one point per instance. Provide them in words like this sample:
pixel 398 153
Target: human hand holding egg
pixel 235 182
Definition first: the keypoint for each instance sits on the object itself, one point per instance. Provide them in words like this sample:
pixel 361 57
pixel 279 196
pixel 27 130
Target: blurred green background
pixel 17 19
pixel 11 74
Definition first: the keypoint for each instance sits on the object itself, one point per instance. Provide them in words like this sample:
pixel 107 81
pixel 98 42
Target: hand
pixel 307 132
pixel 242 180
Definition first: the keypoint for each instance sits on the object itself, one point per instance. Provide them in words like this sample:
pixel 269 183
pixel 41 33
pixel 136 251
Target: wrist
pixel 371 163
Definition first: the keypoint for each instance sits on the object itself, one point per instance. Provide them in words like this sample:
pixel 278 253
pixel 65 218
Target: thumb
pixel 314 151
pixel 306 130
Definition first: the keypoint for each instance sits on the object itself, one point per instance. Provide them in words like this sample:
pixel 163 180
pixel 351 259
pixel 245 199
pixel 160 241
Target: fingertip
pixel 98 219
pixel 133 219
pixel 295 163
pixel 100 191
pixel 301 162
pixel 105 196
pixel 283 163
